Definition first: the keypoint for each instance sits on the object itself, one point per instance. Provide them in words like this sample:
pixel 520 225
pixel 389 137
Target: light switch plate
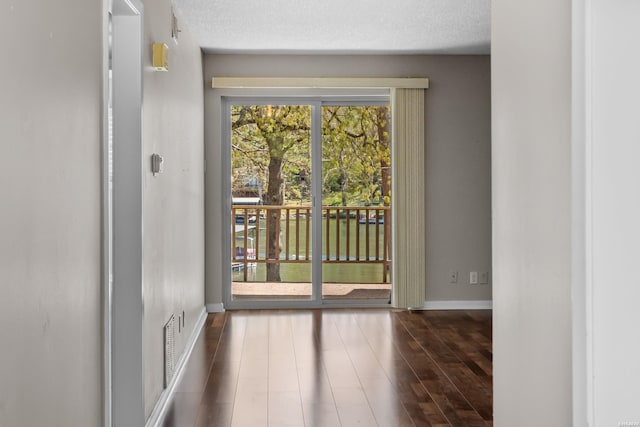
pixel 473 278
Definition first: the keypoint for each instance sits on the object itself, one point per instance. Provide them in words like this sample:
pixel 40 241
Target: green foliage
pixel 356 152
pixel 271 140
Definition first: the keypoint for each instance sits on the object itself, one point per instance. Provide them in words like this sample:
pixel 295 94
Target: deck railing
pixel 351 235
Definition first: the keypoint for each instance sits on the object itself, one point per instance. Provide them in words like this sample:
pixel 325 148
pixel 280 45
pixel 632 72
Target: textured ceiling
pixel 339 26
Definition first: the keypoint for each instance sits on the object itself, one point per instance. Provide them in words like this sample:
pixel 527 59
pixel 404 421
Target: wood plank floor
pixel 338 367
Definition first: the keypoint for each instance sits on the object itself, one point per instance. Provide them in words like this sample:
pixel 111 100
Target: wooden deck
pixel 257 290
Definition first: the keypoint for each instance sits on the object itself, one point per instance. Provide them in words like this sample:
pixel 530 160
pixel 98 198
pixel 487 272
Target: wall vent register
pixel 169 350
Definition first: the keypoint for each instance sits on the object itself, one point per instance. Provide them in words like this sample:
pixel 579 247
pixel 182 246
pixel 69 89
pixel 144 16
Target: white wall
pixel 458 161
pixel 50 196
pixel 174 199
pixel 531 116
pixel 613 67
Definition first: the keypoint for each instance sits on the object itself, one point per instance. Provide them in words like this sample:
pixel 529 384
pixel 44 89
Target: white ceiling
pixel 339 26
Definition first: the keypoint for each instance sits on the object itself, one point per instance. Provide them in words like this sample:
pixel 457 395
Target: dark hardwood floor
pixel 338 367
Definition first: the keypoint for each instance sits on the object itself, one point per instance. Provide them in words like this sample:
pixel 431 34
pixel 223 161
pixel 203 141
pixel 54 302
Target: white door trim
pixel 122 219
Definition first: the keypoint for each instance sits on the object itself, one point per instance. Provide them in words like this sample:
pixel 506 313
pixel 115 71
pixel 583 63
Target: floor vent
pixel 169 350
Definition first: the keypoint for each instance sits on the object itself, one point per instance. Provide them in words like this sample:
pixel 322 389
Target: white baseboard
pixel 215 308
pixel 458 305
pixel 159 411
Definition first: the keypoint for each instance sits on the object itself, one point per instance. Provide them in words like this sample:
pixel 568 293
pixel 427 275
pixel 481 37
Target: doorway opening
pixel 311 202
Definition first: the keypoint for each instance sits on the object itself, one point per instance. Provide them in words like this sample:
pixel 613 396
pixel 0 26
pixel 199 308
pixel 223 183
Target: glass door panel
pixel 356 202
pixel 271 250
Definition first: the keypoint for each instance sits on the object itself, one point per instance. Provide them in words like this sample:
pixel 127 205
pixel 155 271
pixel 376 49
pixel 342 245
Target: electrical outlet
pixel 484 278
pixel 453 277
pixel 473 278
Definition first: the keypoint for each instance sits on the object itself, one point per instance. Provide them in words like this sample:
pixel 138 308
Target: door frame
pixel 316 102
pixel 122 174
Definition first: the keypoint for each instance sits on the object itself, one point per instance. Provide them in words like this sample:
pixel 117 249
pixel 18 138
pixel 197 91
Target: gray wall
pixel 174 199
pixel 50 195
pixel 532 194
pixel 50 209
pixel 458 156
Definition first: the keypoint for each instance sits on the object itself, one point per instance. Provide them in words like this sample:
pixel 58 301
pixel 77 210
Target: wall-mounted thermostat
pixel 156 163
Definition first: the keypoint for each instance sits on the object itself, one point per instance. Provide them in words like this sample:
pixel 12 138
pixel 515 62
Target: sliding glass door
pixel 310 202
pixel 271 201
pixel 356 199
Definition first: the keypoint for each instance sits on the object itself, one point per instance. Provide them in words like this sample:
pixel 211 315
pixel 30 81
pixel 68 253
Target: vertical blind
pixel 408 186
